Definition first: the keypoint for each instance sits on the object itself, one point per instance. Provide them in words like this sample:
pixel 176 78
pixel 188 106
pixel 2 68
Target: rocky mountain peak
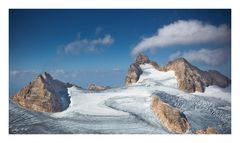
pixel 190 78
pixel 47 76
pixel 179 62
pixel 181 59
pixel 134 70
pixel 44 77
pixel 142 59
pixel 44 94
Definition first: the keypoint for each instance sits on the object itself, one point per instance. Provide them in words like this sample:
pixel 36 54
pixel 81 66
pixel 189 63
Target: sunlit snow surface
pixel 127 110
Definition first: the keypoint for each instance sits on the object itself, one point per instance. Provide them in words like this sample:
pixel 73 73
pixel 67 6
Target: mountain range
pixel 189 77
pixel 175 98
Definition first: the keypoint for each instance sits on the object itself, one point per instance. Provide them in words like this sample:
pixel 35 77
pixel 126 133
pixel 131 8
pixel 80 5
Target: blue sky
pixel 85 46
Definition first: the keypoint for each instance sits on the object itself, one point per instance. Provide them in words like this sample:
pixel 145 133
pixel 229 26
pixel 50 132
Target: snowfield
pixel 127 110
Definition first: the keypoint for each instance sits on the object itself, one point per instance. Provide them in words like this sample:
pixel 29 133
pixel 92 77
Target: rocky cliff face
pixel 134 73
pixel 44 95
pixel 134 70
pixel 171 118
pixel 209 130
pixel 189 77
pixel 142 59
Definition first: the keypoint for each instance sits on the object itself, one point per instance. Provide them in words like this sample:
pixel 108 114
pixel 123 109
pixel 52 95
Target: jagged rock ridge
pixel 95 87
pixel 189 77
pixel 44 94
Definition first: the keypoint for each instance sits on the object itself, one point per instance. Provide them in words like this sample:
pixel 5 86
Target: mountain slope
pixel 128 110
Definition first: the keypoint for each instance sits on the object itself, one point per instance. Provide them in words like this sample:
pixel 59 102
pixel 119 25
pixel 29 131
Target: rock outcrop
pixel 44 95
pixel 134 71
pixel 209 130
pixel 191 78
pixel 95 87
pixel 171 118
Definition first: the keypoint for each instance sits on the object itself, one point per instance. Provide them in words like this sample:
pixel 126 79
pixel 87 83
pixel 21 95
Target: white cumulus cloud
pixel 88 45
pixel 184 32
pixel 206 56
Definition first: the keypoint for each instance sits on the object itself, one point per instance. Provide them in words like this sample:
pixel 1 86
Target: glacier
pixel 127 110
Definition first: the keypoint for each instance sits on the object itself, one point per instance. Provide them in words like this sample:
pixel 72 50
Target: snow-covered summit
pixel 189 77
